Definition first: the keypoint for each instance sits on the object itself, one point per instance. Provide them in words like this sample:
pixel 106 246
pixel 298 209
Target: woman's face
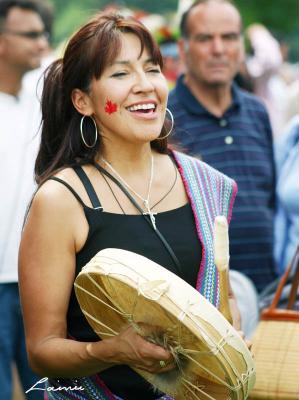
pixel 129 99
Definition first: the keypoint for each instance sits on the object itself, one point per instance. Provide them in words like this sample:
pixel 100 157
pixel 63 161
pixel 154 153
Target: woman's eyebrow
pixel 127 62
pixel 149 61
pixel 120 62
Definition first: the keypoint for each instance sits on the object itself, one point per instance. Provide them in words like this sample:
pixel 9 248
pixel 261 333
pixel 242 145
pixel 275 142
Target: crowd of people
pixel 111 158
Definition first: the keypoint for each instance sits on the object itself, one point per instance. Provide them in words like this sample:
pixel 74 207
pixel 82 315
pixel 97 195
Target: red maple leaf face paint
pixel 110 107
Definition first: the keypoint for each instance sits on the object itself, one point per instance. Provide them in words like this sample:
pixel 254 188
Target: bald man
pixel 228 128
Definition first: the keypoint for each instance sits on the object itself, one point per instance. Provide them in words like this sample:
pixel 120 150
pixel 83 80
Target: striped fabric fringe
pixel 210 193
pixel 86 388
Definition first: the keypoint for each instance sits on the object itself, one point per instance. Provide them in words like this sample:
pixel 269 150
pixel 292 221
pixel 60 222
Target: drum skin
pixel 117 288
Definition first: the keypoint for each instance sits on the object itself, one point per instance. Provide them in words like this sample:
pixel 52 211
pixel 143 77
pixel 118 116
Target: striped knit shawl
pixel 210 194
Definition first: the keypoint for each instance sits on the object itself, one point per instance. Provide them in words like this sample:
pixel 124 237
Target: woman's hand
pixel 131 349
pixel 247 341
pixel 235 312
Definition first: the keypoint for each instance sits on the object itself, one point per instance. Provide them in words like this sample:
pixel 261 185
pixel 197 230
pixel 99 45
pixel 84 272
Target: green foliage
pixel 280 16
pixel 68 20
pixel 154 6
pixel 70 14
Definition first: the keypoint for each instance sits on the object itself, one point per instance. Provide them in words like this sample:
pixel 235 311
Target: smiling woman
pixel 131 93
pixel 108 180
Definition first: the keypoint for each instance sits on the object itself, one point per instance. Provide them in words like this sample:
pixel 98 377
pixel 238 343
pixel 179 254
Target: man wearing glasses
pixel 23 41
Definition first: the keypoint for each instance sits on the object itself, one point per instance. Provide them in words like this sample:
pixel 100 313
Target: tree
pixel 280 16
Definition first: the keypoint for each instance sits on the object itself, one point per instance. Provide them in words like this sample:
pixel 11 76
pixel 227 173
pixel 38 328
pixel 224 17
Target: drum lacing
pixel 178 350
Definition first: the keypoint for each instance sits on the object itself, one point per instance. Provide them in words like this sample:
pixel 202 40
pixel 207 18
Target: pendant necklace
pixel 146 200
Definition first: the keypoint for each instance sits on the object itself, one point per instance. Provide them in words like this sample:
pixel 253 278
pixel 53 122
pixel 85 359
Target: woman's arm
pixel 55 230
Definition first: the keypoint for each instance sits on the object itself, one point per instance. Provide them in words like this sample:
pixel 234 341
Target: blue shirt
pixel 287 214
pixel 240 145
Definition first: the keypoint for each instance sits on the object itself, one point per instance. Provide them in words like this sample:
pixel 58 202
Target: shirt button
pixel 229 140
pixel 223 122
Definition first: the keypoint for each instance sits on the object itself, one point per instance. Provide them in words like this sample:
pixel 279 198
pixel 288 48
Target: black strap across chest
pixel 97 205
pixel 146 217
pixel 88 187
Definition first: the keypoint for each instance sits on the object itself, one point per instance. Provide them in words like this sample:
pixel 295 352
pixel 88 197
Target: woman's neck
pixel 130 160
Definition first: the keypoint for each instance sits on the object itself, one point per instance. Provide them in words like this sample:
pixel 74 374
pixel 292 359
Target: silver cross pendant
pixel 150 214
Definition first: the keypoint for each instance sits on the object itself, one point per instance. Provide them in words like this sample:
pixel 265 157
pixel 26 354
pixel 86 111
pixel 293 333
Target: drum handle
pixel 292 268
pixel 221 255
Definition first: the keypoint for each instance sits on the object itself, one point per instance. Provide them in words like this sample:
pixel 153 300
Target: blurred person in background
pixel 275 78
pixel 171 61
pixel 287 215
pixel 229 129
pixel 32 79
pixel 264 66
pixel 172 66
pixel 291 108
pixel 23 40
pixel 243 79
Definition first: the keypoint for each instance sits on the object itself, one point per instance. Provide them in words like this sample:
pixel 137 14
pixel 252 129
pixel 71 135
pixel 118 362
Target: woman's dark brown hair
pixel 88 53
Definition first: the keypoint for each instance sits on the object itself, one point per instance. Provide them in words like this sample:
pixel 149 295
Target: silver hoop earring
pixel 82 134
pixel 171 128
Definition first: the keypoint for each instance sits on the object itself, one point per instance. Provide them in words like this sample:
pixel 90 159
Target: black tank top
pixel 133 233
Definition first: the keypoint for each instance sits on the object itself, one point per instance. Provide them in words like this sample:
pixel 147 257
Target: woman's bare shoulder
pixel 57 211
pixel 55 197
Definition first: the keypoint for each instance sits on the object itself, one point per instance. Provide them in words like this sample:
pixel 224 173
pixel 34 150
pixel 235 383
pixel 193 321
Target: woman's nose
pixel 143 83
